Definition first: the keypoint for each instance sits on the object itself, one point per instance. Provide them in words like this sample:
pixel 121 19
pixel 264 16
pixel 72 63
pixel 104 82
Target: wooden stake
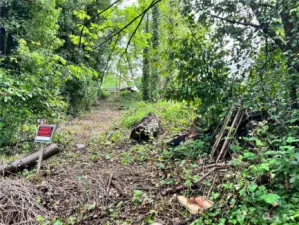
pixel 40 160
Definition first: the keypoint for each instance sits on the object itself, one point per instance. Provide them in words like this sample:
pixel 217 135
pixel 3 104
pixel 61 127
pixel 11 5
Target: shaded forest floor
pixel 100 177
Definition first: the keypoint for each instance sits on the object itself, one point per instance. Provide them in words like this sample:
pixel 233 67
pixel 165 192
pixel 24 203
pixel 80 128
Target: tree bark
pixel 28 161
pixel 146 68
pixel 292 48
pixel 147 129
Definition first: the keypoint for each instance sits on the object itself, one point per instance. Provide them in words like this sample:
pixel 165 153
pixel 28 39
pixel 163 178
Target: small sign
pixel 45 133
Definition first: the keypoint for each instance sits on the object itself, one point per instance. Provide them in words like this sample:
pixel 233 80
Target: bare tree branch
pixel 235 22
pixel 266 27
pixel 154 2
pixel 101 12
pixel 133 34
pixel 87 21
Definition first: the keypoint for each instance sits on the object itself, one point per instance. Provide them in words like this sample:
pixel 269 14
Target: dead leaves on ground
pixel 195 205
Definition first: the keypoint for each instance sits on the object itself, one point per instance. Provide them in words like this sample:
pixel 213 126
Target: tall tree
pixel 155 77
pixel 146 68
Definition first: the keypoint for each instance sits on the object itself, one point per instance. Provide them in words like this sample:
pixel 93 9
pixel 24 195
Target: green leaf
pixel 252 187
pixel 264 166
pixel 58 222
pixel 259 143
pixel 270 198
pixel 292 140
pixel 39 218
pixel 286 147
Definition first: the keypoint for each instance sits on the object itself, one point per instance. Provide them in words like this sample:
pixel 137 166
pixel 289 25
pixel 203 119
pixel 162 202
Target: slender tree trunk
pixel 155 43
pixel 146 70
pixel 291 50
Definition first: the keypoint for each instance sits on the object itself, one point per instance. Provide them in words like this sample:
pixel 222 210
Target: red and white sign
pixel 45 133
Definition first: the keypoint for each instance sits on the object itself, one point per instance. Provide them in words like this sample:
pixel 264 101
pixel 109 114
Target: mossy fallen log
pixel 147 129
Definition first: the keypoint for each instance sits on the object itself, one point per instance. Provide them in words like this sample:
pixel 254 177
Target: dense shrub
pixel 174 115
pixel 102 94
pixel 81 94
pixel 30 94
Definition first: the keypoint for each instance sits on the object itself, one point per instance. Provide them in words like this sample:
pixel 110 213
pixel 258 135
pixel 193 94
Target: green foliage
pixel 266 189
pixel 80 89
pixel 31 94
pixel 102 94
pixel 43 76
pixel 129 99
pixel 202 76
pixel 192 150
pixel 176 116
pixel 137 196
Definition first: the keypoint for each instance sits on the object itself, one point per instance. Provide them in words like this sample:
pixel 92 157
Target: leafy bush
pixel 80 89
pixel 192 150
pixel 264 188
pixel 30 94
pixel 178 116
pixel 102 94
pixel 128 98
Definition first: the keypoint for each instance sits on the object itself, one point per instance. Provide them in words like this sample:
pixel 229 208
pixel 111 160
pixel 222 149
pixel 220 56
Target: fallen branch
pixel 109 184
pixel 118 188
pixel 177 189
pixel 18 203
pixel 28 161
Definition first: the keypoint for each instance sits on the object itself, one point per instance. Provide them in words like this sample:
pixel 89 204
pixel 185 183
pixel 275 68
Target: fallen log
pixel 147 129
pixel 192 134
pixel 28 161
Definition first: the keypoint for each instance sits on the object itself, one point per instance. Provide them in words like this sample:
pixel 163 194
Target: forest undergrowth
pixel 114 181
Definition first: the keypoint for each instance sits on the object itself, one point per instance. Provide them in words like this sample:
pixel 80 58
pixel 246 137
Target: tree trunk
pixel 291 50
pixel 155 43
pixel 146 70
pixel 147 129
pixel 28 161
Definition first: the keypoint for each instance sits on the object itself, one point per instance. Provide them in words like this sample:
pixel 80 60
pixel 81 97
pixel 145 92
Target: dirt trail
pixel 95 185
pixel 86 127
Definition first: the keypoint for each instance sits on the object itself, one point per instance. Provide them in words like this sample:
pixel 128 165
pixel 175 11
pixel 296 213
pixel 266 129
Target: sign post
pixel 43 135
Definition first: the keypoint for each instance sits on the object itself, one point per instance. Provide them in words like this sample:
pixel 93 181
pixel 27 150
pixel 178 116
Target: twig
pixel 87 21
pixel 133 34
pixel 234 21
pixel 177 189
pixel 211 188
pixel 118 188
pixel 109 184
pixel 187 221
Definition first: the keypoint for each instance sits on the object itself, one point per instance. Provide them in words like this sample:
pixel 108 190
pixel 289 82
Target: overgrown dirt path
pixel 109 181
pixel 94 185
